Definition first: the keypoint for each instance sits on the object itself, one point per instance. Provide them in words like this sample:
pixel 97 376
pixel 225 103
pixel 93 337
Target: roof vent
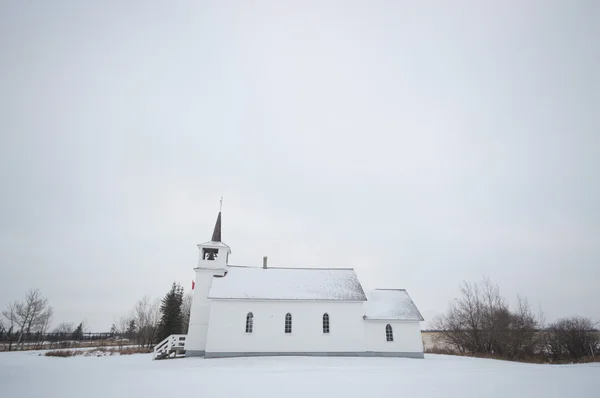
pixel 265 262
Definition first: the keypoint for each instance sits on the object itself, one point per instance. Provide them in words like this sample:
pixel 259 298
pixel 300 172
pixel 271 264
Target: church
pixel 272 311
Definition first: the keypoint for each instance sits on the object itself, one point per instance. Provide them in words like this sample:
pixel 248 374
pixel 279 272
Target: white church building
pixel 268 311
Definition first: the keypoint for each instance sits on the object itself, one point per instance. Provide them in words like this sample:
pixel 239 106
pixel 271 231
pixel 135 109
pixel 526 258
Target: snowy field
pixel 26 374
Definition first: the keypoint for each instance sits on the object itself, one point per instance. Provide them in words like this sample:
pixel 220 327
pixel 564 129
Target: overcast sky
pixel 422 144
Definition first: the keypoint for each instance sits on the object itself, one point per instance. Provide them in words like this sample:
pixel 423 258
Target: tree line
pixel 480 321
pixel 151 321
pixel 26 323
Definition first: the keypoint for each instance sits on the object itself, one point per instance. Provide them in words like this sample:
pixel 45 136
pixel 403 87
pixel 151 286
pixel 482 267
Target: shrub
pixel 97 352
pixel 481 322
pixel 572 338
pixel 134 350
pixel 61 353
pixel 439 350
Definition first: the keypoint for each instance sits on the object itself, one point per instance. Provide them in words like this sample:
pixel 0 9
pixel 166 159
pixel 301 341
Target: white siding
pixel 196 338
pixel 407 336
pixel 228 320
pixel 199 313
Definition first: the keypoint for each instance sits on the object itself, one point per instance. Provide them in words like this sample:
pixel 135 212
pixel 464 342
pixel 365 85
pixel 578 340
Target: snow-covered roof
pixel 392 304
pixel 213 243
pixel 253 283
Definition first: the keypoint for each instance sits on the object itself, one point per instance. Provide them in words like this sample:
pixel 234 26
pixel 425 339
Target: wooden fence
pixel 42 341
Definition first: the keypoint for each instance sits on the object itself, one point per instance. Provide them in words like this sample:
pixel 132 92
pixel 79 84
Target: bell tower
pixel 214 254
pixel 212 263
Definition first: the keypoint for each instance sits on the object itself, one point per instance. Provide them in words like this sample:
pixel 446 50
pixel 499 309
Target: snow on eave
pixel 279 299
pixel 213 244
pixel 366 318
pixel 419 319
pixel 303 268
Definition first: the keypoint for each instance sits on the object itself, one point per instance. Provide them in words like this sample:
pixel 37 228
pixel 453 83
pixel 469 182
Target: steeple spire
pixel 216 237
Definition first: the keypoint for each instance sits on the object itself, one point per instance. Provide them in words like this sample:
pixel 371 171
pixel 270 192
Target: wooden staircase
pixel 171 347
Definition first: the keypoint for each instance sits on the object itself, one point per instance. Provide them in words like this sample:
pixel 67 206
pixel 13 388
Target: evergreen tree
pixel 78 333
pixel 171 314
pixel 113 330
pixel 131 328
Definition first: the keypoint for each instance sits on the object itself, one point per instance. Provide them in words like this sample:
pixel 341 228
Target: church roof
pixel 391 304
pixel 273 283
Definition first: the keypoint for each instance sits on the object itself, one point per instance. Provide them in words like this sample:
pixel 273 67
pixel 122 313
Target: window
pixel 325 323
pixel 249 322
pixel 288 323
pixel 389 334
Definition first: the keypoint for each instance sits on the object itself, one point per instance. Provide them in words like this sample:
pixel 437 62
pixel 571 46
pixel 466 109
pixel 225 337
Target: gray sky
pixel 422 144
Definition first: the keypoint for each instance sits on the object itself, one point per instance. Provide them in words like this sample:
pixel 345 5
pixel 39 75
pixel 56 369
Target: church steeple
pixel 212 263
pixel 216 236
pixel 214 254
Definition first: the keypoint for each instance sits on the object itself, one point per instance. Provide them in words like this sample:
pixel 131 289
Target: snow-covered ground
pixel 26 374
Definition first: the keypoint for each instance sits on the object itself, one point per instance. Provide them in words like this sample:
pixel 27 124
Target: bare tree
pixel 521 337
pixel 186 308
pixel 143 315
pixel 4 333
pixel 45 320
pixel 32 315
pixel 64 328
pixel 10 315
pixel 44 324
pixel 123 324
pixel 154 320
pixel 573 338
pixel 480 321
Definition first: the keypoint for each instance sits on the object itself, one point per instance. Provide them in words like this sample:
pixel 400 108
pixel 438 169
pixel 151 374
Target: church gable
pixel 251 283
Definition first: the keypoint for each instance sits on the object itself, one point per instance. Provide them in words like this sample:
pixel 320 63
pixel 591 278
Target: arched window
pixel 288 323
pixel 249 322
pixel 325 323
pixel 389 334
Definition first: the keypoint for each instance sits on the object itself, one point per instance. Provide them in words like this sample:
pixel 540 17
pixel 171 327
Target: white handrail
pixel 175 343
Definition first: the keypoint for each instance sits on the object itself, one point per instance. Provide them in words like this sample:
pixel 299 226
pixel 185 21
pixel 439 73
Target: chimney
pixel 265 262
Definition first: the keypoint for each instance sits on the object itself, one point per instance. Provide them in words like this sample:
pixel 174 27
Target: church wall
pixel 227 334
pixel 199 314
pixel 407 337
